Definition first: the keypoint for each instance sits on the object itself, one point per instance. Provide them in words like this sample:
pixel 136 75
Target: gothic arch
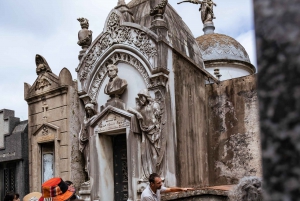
pixel 117 56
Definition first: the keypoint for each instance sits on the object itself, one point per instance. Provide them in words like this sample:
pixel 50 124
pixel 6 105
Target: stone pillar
pixel 278 47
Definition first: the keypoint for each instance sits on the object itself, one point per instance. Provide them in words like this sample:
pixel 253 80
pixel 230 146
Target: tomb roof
pixel 179 33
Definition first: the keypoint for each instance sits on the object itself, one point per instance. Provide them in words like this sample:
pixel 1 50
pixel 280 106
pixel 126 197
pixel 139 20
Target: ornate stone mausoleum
pixel 148 98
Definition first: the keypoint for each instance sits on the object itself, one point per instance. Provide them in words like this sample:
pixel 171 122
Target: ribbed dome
pixel 219 47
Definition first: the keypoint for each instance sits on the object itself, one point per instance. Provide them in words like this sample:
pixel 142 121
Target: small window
pixel 47 161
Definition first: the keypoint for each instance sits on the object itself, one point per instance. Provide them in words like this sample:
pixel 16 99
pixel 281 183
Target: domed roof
pixel 219 47
pixel 179 34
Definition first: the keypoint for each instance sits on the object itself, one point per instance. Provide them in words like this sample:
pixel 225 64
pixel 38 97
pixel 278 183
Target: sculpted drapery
pixel 84 135
pixel 149 115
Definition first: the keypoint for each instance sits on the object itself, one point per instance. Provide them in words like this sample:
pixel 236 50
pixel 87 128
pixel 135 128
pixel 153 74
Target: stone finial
pixel 159 25
pixel 84 23
pixel 41 65
pixel 84 36
pixel 159 8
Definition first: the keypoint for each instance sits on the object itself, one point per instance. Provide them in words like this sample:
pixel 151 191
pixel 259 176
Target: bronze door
pixel 120 167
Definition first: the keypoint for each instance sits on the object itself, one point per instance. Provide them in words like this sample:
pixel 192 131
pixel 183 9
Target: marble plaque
pixel 111 122
pixel 46 138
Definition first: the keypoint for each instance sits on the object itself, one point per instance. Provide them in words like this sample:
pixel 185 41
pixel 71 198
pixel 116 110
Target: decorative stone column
pixel 159 25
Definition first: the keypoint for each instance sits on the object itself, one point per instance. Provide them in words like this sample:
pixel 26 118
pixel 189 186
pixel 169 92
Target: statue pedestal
pixel 85 191
pixel 208 28
pixel 115 102
pixel 159 25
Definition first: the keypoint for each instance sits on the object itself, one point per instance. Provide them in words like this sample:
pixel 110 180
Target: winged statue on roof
pixel 206 9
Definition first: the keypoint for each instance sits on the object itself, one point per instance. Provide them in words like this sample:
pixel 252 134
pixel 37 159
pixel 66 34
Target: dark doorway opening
pixel 120 167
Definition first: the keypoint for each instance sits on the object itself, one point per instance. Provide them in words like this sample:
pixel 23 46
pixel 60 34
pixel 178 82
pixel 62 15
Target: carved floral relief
pixel 117 34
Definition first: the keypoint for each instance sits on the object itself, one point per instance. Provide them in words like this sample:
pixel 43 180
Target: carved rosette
pixel 118 34
pixel 115 59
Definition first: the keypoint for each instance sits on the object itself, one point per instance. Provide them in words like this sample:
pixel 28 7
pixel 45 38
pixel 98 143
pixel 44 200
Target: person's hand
pixel 187 189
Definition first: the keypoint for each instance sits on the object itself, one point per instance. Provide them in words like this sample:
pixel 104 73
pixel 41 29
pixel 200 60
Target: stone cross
pixel 45 109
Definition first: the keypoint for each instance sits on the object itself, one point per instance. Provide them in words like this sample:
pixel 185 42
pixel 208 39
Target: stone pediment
pixel 111 120
pixel 47 81
pixel 43 83
pixel 47 133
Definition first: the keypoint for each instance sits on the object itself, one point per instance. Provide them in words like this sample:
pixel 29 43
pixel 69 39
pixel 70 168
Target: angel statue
pixel 151 117
pixel 206 9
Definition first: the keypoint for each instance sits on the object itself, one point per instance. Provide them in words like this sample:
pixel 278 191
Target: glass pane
pixel 47 166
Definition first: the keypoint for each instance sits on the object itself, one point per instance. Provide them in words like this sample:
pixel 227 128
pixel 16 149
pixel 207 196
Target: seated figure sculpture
pixel 116 86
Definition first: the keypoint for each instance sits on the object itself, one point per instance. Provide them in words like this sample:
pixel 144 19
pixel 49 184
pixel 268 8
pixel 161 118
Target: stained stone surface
pixel 278 46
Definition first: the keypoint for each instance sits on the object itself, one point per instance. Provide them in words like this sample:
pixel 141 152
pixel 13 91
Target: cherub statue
pixel 206 9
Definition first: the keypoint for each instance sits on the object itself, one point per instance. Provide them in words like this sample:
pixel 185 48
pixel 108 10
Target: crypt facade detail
pixel 142 114
pixel 143 102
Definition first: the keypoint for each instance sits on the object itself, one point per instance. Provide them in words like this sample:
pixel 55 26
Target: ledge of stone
pixel 214 190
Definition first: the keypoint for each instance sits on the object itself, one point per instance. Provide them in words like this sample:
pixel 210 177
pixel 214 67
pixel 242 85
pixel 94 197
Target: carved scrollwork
pixel 118 34
pixel 115 59
pixel 142 42
pixel 42 83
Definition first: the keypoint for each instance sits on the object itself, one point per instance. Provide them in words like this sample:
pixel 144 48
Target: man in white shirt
pixel 153 190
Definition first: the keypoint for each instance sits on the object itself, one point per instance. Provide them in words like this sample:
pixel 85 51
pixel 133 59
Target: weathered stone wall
pixel 77 162
pixel 190 123
pixel 233 130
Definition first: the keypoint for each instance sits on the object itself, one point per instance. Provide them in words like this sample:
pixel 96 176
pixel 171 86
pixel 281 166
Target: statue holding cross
pixel 206 9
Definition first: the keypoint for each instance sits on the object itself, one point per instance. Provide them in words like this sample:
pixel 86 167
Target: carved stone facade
pixel 143 103
pixel 53 127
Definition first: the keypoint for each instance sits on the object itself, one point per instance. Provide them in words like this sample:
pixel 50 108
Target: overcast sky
pixel 49 28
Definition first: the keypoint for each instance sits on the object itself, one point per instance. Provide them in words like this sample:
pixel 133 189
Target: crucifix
pixel 45 109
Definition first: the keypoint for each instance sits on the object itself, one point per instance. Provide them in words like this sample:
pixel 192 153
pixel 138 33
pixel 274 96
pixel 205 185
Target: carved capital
pixel 85 98
pixel 159 79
